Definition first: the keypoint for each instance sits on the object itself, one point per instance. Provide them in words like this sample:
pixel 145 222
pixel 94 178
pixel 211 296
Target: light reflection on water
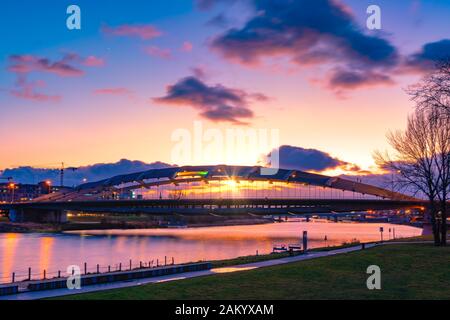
pixel 54 252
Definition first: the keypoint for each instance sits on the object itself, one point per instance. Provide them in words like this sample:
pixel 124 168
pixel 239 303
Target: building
pixel 19 192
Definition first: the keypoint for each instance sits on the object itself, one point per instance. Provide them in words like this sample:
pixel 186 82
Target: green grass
pixel 250 259
pixel 273 256
pixel 413 271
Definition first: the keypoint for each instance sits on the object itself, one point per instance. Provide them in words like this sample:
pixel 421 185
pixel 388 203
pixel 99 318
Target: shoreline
pixel 313 273
pixel 31 227
pixel 220 268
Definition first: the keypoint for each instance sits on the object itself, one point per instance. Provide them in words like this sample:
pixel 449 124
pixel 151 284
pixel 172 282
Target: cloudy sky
pixel 138 70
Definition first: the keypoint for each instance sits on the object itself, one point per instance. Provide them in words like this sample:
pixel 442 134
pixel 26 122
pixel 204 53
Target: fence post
pixel 165 260
pixel 140 264
pixel 85 268
pixel 173 261
pixel 29 274
pixel 98 268
pixel 13 277
pixel 157 262
pixel 59 274
pixel 120 266
pixel 45 272
pixel 109 268
pixel 130 264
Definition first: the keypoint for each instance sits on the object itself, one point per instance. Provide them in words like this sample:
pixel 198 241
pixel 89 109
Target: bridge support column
pixel 16 215
pixel 54 216
pixel 40 216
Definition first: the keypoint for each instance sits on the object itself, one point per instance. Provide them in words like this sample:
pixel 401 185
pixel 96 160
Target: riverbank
pixel 122 224
pixel 29 227
pixel 409 271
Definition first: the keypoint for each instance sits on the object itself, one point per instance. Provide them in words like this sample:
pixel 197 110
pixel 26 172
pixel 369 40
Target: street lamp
pixel 48 183
pixel 12 186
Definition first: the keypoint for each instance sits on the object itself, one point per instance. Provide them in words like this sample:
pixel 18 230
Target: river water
pixel 53 252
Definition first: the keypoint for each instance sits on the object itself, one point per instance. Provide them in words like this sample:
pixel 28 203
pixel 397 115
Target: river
pixel 53 252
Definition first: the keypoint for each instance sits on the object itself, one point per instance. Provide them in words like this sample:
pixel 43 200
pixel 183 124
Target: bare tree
pixel 442 163
pixel 433 91
pixel 432 94
pixel 421 163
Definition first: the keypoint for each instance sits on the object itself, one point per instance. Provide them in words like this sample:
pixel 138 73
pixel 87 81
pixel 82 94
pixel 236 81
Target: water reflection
pixel 54 252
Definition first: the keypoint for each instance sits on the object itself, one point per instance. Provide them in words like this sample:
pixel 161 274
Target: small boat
pixel 280 247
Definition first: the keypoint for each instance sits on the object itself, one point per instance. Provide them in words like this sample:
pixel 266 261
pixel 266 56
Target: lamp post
pixel 48 183
pixel 12 186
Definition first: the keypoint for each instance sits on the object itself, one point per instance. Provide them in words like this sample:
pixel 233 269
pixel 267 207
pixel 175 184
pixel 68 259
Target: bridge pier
pixel 37 215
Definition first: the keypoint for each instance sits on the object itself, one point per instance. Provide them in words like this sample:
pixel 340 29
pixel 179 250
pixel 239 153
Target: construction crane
pixel 61 172
pixel 59 165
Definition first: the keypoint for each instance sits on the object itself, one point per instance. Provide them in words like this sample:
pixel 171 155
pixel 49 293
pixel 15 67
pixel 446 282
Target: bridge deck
pixel 253 202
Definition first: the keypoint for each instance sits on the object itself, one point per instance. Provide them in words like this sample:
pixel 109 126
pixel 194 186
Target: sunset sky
pixel 138 70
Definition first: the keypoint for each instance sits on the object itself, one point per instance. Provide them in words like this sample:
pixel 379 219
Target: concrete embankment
pixel 102 278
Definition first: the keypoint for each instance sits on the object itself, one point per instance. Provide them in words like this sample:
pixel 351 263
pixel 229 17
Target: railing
pixel 85 269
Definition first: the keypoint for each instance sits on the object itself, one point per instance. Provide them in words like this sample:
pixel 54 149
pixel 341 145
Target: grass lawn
pixel 408 271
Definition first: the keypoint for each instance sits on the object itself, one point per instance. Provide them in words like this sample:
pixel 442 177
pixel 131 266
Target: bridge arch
pixel 223 182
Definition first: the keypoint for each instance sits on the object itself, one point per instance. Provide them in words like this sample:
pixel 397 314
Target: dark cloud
pixel 92 173
pixel 347 79
pixel 426 59
pixel 325 33
pixel 309 32
pixel 67 66
pixel 291 157
pixel 216 103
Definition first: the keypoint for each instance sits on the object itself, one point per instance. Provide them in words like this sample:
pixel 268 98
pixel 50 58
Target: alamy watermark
pixel 374 280
pixel 228 146
pixel 373 21
pixel 73 21
pixel 74 279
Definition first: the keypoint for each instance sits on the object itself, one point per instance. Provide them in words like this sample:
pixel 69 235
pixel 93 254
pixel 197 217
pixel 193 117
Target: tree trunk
pixel 434 224
pixel 444 223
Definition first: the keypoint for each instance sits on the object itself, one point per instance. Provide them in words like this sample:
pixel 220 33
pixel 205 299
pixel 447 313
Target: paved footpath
pixel 186 275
